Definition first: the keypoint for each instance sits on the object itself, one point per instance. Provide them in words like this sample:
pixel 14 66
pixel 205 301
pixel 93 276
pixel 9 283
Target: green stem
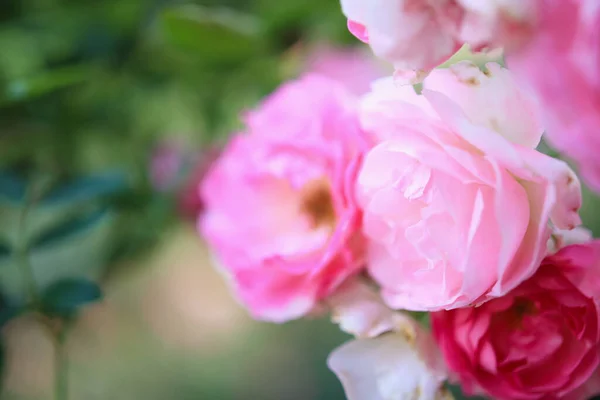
pixel 61 365
pixel 58 333
pixel 22 253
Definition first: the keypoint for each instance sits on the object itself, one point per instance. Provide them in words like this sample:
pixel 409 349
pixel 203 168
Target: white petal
pixel 359 311
pixel 385 368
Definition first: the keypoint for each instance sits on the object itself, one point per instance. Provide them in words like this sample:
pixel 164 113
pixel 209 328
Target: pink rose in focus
pixel 561 62
pixel 458 206
pixel 412 34
pixel 280 211
pixel 540 341
pixel 354 68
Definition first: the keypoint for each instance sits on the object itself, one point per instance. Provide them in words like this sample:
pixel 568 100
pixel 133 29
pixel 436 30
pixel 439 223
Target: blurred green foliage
pixel 87 90
pixel 88 87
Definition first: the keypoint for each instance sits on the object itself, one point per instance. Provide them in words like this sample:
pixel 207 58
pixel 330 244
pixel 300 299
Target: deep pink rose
pixel 457 203
pixel 540 341
pixel 561 62
pixel 280 210
pixel 412 34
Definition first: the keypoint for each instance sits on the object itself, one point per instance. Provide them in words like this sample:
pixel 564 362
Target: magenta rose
pixel 280 213
pixel 458 206
pixel 540 341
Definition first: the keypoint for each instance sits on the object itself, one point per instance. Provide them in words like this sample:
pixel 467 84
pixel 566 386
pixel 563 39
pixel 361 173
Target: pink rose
pixel 412 34
pixel 418 35
pixel 457 204
pixel 280 212
pixel 540 341
pixel 503 23
pixel 561 62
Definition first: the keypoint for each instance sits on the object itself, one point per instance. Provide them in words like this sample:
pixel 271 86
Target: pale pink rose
pixel 280 210
pixel 540 341
pixel 393 358
pixel 561 62
pixel 387 367
pixel 458 206
pixel 355 68
pixel 412 34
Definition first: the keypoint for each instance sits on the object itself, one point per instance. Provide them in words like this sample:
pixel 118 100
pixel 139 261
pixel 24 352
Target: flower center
pixel 521 308
pixel 317 203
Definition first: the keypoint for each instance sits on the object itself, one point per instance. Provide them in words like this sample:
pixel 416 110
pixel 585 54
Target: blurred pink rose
pixel 355 68
pixel 280 211
pixel 166 164
pixel 457 203
pixel 540 341
pixel 562 63
pixel 412 34
pixel 502 23
pixel 190 204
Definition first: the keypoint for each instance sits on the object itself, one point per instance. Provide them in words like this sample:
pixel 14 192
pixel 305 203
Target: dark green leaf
pixel 65 297
pixel 87 188
pixel 215 35
pixel 4 250
pixel 25 88
pixel 12 187
pixel 70 229
pixel 8 310
pixel 74 251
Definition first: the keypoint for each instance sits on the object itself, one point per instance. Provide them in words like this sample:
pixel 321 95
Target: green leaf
pixel 12 188
pixel 66 297
pixel 86 188
pixel 68 230
pixel 26 88
pixel 215 35
pixel 78 250
pixel 8 310
pixel 65 203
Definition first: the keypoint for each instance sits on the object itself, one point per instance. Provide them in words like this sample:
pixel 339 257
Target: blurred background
pixel 110 113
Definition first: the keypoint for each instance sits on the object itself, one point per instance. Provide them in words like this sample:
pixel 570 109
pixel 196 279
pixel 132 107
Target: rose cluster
pixel 430 199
